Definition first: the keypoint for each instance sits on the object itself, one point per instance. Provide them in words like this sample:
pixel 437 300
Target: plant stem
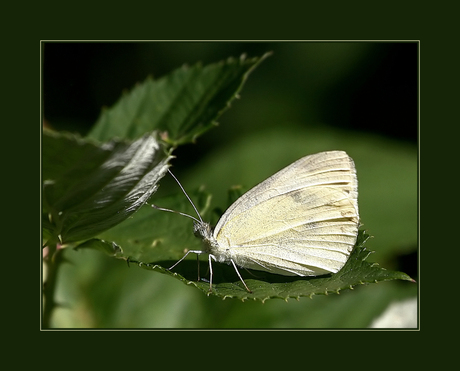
pixel 53 262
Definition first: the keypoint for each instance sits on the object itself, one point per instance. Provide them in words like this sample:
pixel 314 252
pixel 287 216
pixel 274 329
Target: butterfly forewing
pixel 303 220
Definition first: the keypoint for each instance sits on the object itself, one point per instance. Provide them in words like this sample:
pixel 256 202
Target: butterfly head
pixel 204 231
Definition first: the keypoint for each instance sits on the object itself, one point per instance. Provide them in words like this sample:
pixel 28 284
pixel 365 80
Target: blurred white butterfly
pixel 301 221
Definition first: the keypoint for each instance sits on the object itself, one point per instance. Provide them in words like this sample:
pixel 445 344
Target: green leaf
pixel 156 240
pixel 110 248
pixel 265 286
pixel 181 105
pixel 90 187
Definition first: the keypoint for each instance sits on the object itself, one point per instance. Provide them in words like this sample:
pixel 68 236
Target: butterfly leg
pixel 241 278
pixel 210 257
pixel 198 252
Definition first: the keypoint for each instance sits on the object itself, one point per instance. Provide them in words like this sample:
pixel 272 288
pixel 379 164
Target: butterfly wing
pixel 302 220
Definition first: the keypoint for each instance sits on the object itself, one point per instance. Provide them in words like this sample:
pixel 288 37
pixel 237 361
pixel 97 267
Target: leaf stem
pixel 53 261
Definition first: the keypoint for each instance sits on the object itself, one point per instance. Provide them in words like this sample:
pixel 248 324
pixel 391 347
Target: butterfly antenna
pixel 188 198
pixel 175 212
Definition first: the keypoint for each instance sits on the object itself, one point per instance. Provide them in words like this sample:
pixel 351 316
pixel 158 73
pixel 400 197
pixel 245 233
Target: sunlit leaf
pixel 181 105
pixel 90 187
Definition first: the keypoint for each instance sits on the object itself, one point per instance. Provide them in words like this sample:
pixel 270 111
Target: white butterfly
pixel 301 221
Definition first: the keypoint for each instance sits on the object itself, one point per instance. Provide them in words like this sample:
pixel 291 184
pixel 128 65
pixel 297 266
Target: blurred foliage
pixel 306 98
